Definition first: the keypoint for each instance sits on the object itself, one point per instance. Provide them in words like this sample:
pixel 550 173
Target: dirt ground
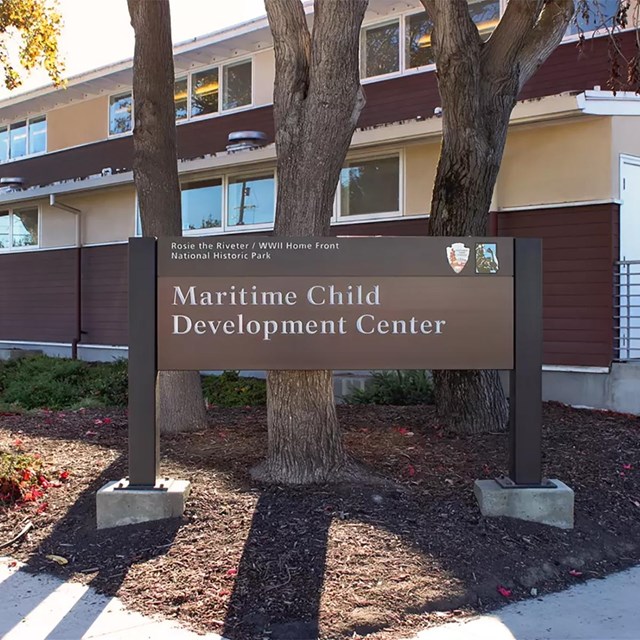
pixel 335 562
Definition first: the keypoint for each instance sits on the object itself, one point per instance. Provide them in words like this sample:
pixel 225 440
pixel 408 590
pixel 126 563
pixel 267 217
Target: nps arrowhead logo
pixel 458 255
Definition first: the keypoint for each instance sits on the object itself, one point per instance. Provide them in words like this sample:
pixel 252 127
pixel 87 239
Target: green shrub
pixel 231 390
pixel 394 387
pixel 58 383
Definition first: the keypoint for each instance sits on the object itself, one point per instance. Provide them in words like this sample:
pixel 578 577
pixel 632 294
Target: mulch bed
pixel 340 562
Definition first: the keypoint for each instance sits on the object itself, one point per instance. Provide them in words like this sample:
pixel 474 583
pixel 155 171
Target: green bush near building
pixel 395 388
pixel 39 382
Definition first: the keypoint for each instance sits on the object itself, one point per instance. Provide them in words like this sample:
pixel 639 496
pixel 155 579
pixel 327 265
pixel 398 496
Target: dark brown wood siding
pixel 38 295
pixel 579 248
pixel 104 295
pixel 404 98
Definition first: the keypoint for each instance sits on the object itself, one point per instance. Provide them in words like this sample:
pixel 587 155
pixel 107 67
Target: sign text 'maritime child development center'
pixel 346 303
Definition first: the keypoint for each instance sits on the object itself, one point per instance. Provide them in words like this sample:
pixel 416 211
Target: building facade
pixel 570 175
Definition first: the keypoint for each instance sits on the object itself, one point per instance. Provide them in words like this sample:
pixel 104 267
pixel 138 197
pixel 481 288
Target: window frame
pixel 121 94
pixel 32 247
pixel 27 121
pixel 337 218
pixel 225 227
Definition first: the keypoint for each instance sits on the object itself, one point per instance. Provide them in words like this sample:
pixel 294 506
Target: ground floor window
pixel 19 228
pixel 227 202
pixel 369 186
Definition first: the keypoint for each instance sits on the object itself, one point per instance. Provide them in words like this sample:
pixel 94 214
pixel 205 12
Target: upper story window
pixel 599 15
pixel 382 53
pixel 120 114
pixel 19 228
pixel 27 137
pixel 214 90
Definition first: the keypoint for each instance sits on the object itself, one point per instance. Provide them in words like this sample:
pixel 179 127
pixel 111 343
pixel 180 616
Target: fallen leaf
pixel 232 572
pixel 64 475
pixel 627 467
pixel 411 470
pixel 503 591
pixel 91 433
pixel 575 573
pixel 43 507
pixel 106 421
pixel 58 559
pixel 224 592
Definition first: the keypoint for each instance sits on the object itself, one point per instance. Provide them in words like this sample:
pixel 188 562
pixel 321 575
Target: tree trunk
pixel 317 102
pixel 179 399
pixel 479 84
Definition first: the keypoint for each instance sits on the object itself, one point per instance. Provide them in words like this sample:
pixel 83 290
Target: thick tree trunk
pixel 479 84
pixel 317 101
pixel 179 397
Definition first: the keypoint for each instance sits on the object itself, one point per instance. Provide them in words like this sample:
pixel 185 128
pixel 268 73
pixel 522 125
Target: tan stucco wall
pixel 569 161
pixel 421 161
pixel 108 215
pixel 58 228
pixel 625 139
pixel 263 77
pixel 78 123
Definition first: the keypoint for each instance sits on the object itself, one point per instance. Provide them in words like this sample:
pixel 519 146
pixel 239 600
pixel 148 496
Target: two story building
pixel 570 175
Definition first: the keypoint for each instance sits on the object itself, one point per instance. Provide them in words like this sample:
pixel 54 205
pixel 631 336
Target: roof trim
pixel 608 103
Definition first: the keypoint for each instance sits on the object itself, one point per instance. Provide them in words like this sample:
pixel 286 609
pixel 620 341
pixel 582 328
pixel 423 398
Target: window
pixel 120 114
pixel 236 89
pixel 600 15
pixel 251 200
pixel 20 139
pixel 380 52
pixel 236 85
pixel 19 228
pixel 204 92
pixel 418 52
pixel 227 202
pixel 202 205
pixel 180 95
pixel 369 187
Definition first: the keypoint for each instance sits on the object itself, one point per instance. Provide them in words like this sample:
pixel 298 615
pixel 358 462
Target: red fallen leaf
pixel 62 415
pixel 106 420
pixel 97 421
pixel 17 442
pixel 32 495
pixel 64 475
pixel 13 563
pixel 224 592
pixel 91 433
pixel 232 572
pixel 411 470
pixel 575 573
pixel 43 507
pixel 26 475
pixel 364 430
pixel 43 482
pixel 402 431
pixel 627 467
pixel 486 469
pixel 503 591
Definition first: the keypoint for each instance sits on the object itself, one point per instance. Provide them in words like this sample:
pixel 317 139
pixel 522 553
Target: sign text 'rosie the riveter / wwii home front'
pixel 345 303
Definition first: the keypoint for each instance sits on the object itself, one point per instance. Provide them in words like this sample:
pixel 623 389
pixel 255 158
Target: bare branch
pixel 545 36
pixel 292 48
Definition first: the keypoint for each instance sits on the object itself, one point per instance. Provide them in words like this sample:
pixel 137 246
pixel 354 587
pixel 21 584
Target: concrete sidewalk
pixel 42 607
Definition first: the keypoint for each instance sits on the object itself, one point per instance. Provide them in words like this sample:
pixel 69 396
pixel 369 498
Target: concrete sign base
pixel 117 504
pixel 552 506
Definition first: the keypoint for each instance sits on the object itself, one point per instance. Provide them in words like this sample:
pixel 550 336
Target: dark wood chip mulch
pixel 334 561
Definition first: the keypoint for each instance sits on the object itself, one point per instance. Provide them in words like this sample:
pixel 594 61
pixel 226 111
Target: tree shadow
pixel 106 556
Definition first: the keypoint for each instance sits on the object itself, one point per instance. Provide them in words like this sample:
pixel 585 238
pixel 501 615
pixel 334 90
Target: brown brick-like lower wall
pixel 37 289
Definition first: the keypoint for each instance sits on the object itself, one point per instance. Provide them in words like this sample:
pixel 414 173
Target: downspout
pixel 78 272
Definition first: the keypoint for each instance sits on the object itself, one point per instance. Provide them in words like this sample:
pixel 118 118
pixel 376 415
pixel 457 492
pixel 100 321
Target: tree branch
pixel 292 48
pixel 506 42
pixel 545 36
pixel 453 29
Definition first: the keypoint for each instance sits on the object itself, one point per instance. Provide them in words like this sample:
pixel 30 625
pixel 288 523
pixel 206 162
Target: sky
pixel 98 32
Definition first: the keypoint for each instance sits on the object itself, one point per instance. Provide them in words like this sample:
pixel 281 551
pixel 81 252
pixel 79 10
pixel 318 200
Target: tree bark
pixel 317 102
pixel 479 84
pixel 179 400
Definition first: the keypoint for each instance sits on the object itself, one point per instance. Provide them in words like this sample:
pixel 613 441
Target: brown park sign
pixel 335 303
pixel 253 302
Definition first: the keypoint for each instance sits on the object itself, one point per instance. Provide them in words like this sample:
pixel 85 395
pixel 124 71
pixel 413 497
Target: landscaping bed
pixel 346 561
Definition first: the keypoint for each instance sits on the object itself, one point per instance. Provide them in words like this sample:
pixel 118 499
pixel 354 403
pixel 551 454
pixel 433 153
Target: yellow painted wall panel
pixel 78 123
pixel 421 161
pixel 263 77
